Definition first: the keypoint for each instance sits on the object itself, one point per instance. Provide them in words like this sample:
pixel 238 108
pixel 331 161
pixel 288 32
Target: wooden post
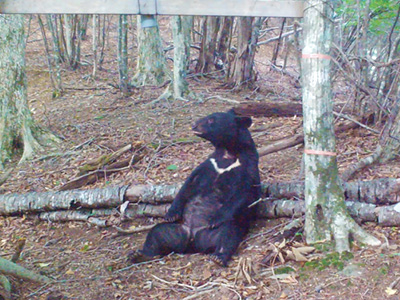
pixel 252 8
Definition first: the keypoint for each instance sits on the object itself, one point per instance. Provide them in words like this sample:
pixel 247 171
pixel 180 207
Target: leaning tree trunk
pixel 17 127
pixel 326 213
pixel 243 75
pixel 151 67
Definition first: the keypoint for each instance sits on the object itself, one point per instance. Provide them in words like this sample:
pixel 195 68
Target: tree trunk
pixel 208 45
pixel 151 67
pixel 17 127
pixel 243 75
pixel 179 87
pixel 123 54
pixel 55 75
pixel 326 213
pixel 95 43
pixel 224 44
pixel 72 40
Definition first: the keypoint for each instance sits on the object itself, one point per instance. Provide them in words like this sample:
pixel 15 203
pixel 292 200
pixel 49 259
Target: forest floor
pixel 90 263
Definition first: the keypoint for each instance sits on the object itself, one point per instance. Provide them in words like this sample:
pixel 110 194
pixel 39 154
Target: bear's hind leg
pixel 221 243
pixel 162 239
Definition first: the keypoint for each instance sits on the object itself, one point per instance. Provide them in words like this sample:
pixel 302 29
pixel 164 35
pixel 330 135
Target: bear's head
pixel 223 129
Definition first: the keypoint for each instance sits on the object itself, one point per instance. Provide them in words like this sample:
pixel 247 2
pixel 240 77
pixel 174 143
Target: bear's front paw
pixel 219 259
pixel 172 216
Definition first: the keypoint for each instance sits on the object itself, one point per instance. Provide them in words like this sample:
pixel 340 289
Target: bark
pixel 224 44
pixel 9 268
pixel 208 45
pixel 151 67
pixel 5 288
pixel 95 43
pixel 49 201
pixel 270 209
pixel 380 191
pixel 72 40
pixel 123 54
pixel 243 75
pixel 278 44
pixel 55 76
pixel 326 213
pixel 363 212
pixel 17 127
pixel 145 197
pixel 178 89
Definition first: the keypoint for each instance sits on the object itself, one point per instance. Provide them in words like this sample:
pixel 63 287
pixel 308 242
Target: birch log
pixel 381 191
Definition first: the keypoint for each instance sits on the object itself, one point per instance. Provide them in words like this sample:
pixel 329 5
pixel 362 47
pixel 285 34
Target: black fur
pixel 210 214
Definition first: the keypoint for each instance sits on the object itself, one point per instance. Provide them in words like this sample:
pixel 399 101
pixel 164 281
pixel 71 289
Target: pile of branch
pixel 103 166
pixel 375 200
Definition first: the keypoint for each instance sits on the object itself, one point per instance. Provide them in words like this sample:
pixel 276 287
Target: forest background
pixel 88 85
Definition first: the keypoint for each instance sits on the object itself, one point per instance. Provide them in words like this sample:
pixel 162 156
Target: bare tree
pixel 208 46
pixel 123 54
pixel 151 67
pixel 326 213
pixel 179 87
pixel 243 75
pixel 17 127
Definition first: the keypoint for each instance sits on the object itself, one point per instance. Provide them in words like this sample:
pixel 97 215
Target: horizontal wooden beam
pixel 256 8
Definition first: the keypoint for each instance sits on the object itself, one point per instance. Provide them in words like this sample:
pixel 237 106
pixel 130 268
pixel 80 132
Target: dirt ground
pixel 90 263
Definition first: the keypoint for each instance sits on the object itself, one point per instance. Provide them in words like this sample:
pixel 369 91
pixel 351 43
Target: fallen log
pixel 298 139
pixel 270 109
pixel 363 212
pixel 278 109
pixel 380 192
pixel 61 200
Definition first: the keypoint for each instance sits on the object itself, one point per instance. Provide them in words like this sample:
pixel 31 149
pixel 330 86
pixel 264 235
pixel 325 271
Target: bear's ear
pixel 243 121
pixel 231 111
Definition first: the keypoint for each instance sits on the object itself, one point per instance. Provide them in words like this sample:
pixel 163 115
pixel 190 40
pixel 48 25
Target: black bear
pixel 211 213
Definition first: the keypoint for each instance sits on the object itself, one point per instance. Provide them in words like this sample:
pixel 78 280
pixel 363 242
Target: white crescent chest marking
pixel 222 170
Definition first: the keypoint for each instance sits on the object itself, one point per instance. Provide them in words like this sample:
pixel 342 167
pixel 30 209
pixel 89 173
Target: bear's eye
pixel 211 121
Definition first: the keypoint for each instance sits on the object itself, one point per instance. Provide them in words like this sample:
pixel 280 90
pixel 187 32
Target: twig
pixel 138 264
pixel 355 121
pixel 174 283
pixel 222 99
pixel 88 142
pixel 134 230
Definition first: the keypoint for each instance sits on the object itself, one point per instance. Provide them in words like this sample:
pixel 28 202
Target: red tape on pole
pixel 318 152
